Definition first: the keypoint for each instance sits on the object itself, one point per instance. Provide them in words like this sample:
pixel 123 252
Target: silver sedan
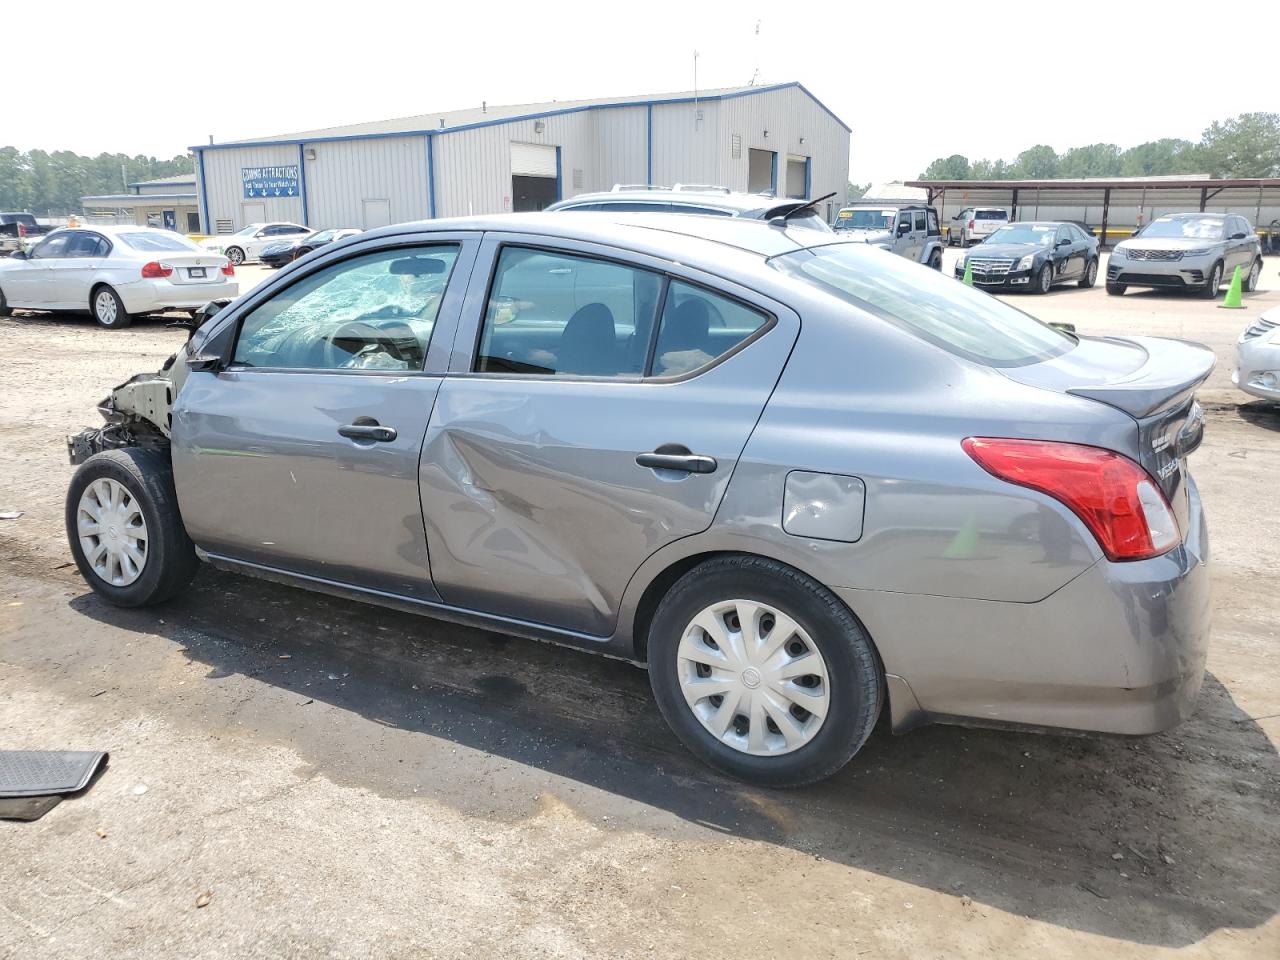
pixel 803 482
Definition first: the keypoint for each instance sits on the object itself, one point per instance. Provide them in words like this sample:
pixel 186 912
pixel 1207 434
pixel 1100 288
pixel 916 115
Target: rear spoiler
pixel 1169 378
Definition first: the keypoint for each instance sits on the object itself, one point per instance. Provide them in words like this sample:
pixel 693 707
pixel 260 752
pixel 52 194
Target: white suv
pixel 975 224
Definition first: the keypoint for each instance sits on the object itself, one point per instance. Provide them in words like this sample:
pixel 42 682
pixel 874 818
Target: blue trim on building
pixel 808 178
pixel 531 116
pixel 431 178
pixel 773 172
pixel 559 178
pixel 649 141
pixel 302 182
pixel 206 226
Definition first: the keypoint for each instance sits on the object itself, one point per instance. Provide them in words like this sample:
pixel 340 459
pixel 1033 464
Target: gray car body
pixel 514 502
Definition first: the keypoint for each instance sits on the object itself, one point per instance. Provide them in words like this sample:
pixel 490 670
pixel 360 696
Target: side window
pixel 556 314
pixel 86 245
pixel 900 219
pixel 54 246
pixel 700 211
pixel 1060 236
pixel 933 223
pixel 699 326
pixel 920 221
pixel 634 206
pixel 372 312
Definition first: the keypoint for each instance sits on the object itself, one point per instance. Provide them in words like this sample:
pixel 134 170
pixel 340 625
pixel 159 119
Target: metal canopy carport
pixel 1248 196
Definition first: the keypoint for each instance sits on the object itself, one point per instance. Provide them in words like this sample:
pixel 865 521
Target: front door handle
pixel 673 456
pixel 367 429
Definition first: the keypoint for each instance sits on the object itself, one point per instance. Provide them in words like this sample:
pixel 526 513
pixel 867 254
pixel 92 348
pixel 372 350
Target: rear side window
pixel 87 245
pixel 555 314
pixel 934 308
pixel 698 327
pixel 373 312
pixel 920 220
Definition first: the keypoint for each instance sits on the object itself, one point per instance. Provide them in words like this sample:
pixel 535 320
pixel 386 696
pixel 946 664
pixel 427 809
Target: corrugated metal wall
pixel 346 173
pixel 225 187
pixel 687 149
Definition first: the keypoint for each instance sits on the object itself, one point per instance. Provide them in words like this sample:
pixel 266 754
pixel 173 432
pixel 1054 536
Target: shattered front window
pixel 374 312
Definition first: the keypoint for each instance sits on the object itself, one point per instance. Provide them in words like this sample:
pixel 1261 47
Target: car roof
pixel 665 235
pixel 1191 216
pixel 740 202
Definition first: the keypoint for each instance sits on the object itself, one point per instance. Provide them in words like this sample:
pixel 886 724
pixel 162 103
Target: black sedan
pixel 286 251
pixel 1033 256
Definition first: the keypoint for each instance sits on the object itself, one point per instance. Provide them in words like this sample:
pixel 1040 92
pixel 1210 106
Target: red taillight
pixel 1115 497
pixel 156 270
pixel 22 229
pixel 229 270
pixel 970 224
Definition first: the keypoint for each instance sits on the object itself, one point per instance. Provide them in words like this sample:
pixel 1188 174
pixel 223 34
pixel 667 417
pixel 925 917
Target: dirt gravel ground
pixel 343 781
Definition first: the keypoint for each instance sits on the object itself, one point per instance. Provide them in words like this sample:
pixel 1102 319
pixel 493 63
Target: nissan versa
pixel 803 482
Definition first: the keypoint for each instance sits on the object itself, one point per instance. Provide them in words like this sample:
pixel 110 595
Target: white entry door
pixel 253 213
pixel 377 213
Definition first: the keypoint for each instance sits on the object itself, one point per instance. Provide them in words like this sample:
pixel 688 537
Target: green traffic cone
pixel 1234 300
pixel 968 273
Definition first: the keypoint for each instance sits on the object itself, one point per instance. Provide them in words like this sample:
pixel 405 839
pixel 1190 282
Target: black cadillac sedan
pixel 286 251
pixel 1033 256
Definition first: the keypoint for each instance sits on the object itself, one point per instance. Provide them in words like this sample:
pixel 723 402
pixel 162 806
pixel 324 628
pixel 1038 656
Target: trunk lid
pixel 194 267
pixel 1153 380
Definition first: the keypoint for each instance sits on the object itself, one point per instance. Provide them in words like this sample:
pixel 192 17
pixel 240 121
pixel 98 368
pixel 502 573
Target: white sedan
pixel 114 273
pixel 247 244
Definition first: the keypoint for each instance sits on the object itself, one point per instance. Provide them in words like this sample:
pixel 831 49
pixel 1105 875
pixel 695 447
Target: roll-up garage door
pixel 533 160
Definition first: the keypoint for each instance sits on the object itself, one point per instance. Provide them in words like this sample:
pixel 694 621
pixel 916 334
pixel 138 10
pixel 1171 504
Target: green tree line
pixel 51 184
pixel 1243 146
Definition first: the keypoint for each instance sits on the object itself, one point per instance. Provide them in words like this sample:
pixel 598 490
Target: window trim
pixel 231 365
pixel 666 276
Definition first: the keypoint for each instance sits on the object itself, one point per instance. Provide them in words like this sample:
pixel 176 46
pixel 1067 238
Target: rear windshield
pixel 934 307
pixel 157 242
pixel 990 215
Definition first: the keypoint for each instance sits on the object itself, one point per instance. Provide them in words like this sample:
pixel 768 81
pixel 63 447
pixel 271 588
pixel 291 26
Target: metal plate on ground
pixel 37 773
pixel 27 808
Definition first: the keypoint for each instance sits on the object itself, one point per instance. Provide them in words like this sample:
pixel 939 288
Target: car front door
pixel 1240 249
pixel 571 441
pixel 33 283
pixel 902 233
pixel 300 452
pixel 1064 262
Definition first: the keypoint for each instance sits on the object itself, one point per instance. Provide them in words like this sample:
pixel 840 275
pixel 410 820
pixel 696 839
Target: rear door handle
pixel 673 456
pixel 369 430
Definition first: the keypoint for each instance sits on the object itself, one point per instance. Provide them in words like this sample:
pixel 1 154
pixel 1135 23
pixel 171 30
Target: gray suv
pixel 621 437
pixel 909 230
pixel 1187 251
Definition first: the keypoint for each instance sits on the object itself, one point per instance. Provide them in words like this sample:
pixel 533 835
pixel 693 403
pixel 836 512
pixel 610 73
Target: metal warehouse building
pixel 496 159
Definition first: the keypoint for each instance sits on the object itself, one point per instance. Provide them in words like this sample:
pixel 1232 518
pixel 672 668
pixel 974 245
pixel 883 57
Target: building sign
pixel 279 181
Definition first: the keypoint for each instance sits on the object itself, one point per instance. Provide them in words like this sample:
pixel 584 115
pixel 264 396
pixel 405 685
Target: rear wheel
pixel 1116 289
pixel 124 528
pixel 763 673
pixel 1210 288
pixel 1090 274
pixel 1250 281
pixel 4 306
pixel 1044 279
pixel 108 309
pixel 935 260
pixel 235 255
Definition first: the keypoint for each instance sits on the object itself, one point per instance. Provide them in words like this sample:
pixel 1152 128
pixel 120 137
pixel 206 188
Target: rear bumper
pixel 152 296
pixel 1119 649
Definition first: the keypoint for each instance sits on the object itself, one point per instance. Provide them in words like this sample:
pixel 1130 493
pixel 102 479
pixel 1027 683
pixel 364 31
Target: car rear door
pixel 301 452
pixel 72 274
pixel 554 465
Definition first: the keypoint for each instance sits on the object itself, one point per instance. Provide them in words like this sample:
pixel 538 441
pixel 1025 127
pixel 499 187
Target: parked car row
pixel 281 252
pixel 247 244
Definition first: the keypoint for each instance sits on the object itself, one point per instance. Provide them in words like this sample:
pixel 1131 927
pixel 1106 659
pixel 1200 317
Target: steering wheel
pixel 372 336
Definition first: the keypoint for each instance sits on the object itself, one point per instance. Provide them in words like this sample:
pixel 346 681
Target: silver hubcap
pixel 113 533
pixel 753 677
pixel 105 306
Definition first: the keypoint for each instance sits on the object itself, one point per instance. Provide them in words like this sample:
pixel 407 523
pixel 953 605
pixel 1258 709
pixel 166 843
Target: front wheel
pixel 1044 279
pixel 1116 289
pixel 124 528
pixel 1090 274
pixel 763 673
pixel 1250 281
pixel 1210 289
pixel 108 309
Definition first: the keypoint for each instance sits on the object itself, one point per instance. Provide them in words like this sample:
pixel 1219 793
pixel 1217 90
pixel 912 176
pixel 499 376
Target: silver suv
pixel 698 199
pixel 1187 251
pixel 909 230
pixel 974 224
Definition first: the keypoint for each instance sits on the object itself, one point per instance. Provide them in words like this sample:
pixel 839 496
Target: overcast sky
pixel 914 81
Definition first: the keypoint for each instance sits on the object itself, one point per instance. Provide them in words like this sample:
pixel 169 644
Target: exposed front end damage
pixel 138 412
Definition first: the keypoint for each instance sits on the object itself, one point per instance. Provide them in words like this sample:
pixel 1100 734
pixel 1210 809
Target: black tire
pixel 1250 280
pixel 853 668
pixel 108 309
pixel 4 306
pixel 170 559
pixel 1116 289
pixel 1044 280
pixel 1090 274
pixel 235 255
pixel 935 260
pixel 1210 289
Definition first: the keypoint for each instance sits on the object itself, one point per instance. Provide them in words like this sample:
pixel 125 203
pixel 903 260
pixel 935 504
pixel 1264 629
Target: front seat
pixel 589 343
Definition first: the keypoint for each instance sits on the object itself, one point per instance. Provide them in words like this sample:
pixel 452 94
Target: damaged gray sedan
pixel 802 482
